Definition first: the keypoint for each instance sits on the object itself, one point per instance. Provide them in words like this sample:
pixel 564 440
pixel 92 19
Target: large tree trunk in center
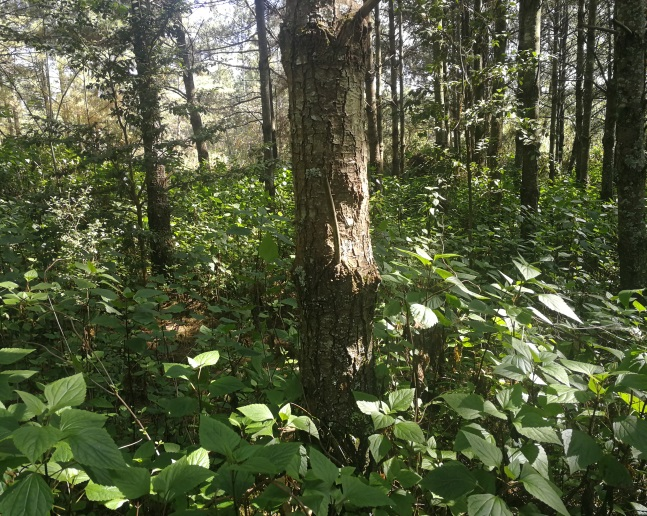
pixel 324 52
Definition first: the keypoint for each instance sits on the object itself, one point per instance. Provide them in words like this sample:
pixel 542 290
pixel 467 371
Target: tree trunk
pixel 579 94
pixel 498 87
pixel 324 47
pixel 395 104
pixel 189 90
pixel 374 144
pixel 582 168
pixel 442 130
pixel 529 49
pixel 150 126
pixel 609 136
pixel 630 142
pixel 554 90
pixel 379 119
pixel 563 61
pixel 267 113
pixel 401 89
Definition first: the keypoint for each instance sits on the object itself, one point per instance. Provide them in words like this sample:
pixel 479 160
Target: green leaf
pixel 471 406
pixel 401 400
pixel 487 505
pixel 581 450
pixel 99 493
pixel 257 412
pixel 614 473
pixel 303 423
pixel 379 446
pixel 322 467
pixel 632 431
pixel 178 479
pixel 96 448
pixel 581 367
pixel 360 494
pixel 423 316
pixel 30 275
pixel 381 420
pixel 218 437
pixel 488 453
pixel 9 285
pixel 527 271
pixel 408 431
pixel 542 489
pixel 533 426
pixel 33 441
pixel 147 293
pixel 204 359
pixel 225 385
pixel 556 303
pixel 34 404
pixel 268 250
pixel 29 496
pixel 450 481
pixel 10 355
pixel 132 482
pixel 66 392
pixel 78 421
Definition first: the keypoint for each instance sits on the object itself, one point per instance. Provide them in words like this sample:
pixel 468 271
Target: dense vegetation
pixel 511 370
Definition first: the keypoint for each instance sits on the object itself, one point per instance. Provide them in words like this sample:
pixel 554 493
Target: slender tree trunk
pixel 324 52
pixel 439 94
pixel 498 87
pixel 375 151
pixel 148 96
pixel 395 103
pixel 579 91
pixel 554 90
pixel 529 49
pixel 379 116
pixel 582 168
pixel 609 137
pixel 563 62
pixel 401 89
pixel 189 90
pixel 267 113
pixel 630 142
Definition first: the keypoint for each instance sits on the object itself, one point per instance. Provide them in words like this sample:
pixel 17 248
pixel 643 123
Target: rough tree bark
pixel 372 132
pixel 324 47
pixel 150 126
pixel 579 73
pixel 529 48
pixel 500 42
pixel 582 168
pixel 630 142
pixel 270 152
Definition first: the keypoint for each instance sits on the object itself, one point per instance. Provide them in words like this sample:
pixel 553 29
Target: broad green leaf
pixel 34 404
pixel 204 359
pixel 29 496
pixel 99 493
pixel 450 481
pixel 581 367
pixel 132 482
pixel 12 355
pixel 9 285
pixel 77 421
pixel 218 437
pixel 147 293
pixel 423 316
pixel 268 250
pixel 401 400
pixel 632 381
pixel 580 449
pixel 33 441
pixel 408 431
pixel 527 271
pixel 225 385
pixel 30 275
pixel 360 494
pixel 95 448
pixel 632 431
pixel 66 392
pixel 172 370
pixel 614 473
pixel 305 424
pixel 381 420
pixel 180 406
pixel 463 289
pixel 257 412
pixel 178 479
pixel 322 467
pixel 556 303
pixel 471 406
pixel 487 505
pixel 488 453
pixel 379 446
pixel 542 489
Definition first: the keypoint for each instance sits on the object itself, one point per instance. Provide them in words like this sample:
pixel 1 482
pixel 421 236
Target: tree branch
pixel 366 9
